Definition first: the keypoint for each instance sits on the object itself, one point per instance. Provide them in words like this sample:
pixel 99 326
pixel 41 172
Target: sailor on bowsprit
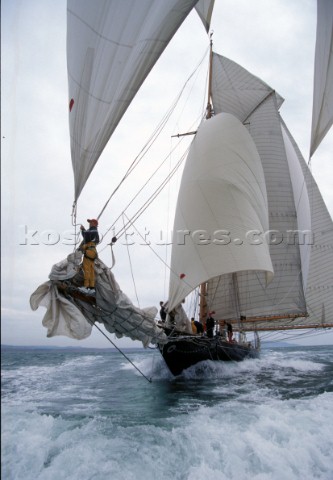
pixel 88 247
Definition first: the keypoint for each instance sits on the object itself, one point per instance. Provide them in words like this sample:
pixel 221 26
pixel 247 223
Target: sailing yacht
pixel 252 235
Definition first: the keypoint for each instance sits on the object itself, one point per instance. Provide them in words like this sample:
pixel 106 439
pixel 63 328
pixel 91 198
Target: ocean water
pixel 90 415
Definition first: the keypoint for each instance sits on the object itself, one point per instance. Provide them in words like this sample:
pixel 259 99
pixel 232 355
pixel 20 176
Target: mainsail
pixel 299 224
pixel 111 47
pixel 322 113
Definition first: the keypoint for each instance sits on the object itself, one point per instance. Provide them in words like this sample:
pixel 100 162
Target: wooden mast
pixel 209 113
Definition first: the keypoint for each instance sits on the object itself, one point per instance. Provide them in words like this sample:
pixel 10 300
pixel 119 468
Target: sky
pixel 273 39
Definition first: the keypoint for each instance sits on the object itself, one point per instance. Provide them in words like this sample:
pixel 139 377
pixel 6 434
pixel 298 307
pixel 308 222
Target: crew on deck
pixel 210 324
pixel 197 327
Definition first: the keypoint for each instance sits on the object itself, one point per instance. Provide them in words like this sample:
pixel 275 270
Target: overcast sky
pixel 273 39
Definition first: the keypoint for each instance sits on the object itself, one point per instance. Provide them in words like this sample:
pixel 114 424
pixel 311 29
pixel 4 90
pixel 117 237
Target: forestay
pixel 111 47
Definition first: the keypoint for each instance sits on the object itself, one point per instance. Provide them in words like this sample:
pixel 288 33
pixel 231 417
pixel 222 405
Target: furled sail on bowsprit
pixel 70 313
pixel 322 113
pixel 111 47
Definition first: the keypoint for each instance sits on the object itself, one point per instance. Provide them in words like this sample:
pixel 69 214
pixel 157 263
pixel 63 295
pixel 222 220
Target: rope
pixel 124 355
pixel 160 258
pixel 131 267
pixel 141 210
pixel 153 137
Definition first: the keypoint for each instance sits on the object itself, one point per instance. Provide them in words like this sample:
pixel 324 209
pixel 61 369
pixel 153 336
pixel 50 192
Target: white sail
pixel 222 198
pixel 237 91
pixel 70 316
pixel 322 112
pixel 204 9
pixel 250 221
pixel 303 281
pixel 111 47
pixel 318 255
pixel 246 294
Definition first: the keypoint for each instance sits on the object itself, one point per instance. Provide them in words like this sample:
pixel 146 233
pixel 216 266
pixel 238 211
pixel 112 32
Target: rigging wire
pixel 120 351
pixel 160 258
pixel 167 227
pixel 131 267
pixel 141 210
pixel 74 224
pixel 154 136
pixel 170 175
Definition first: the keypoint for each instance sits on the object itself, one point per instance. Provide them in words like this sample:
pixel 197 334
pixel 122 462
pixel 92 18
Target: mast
pixel 209 113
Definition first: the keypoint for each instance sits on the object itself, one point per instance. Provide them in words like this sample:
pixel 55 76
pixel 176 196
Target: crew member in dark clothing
pixel 229 330
pixel 163 313
pixel 200 328
pixel 197 327
pixel 210 324
pixel 88 247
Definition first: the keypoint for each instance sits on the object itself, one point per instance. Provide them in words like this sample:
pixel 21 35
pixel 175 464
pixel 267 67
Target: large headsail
pixel 111 47
pixel 222 197
pixel 322 113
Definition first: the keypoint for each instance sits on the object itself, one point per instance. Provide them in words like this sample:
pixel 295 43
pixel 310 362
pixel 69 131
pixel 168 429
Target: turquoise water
pixel 89 414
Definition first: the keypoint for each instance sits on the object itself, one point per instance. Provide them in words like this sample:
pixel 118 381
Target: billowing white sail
pixel 221 209
pixel 111 47
pixel 322 112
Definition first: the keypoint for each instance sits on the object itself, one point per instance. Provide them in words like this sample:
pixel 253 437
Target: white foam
pixel 277 440
pixel 216 421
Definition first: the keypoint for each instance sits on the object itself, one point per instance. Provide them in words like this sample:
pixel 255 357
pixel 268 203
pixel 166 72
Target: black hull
pixel 182 352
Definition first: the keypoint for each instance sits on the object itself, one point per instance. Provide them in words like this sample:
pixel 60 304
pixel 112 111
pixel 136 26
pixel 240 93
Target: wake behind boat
pixel 252 237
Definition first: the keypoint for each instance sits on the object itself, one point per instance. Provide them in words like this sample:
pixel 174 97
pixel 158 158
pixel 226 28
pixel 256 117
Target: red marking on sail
pixel 182 275
pixel 71 104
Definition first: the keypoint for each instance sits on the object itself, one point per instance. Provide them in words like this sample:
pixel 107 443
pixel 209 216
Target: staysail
pixel 222 196
pixel 111 48
pixel 322 113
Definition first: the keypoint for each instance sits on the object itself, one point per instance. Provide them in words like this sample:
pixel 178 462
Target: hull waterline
pixel 182 352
